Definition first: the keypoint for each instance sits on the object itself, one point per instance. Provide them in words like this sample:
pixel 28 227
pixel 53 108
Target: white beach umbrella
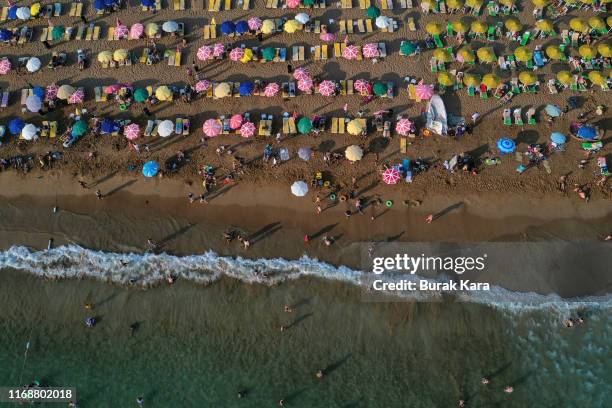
pixel 382 22
pixel 23 13
pixel 302 18
pixel 33 103
pixel 299 188
pixel 170 26
pixel 165 128
pixel 29 132
pixel 33 64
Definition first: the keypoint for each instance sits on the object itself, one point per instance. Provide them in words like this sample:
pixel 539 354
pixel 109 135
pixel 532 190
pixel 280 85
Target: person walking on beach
pixel 152 244
pixel 83 184
pixel 319 209
pixel 429 219
pixel 99 195
pixel 140 401
pixel 475 117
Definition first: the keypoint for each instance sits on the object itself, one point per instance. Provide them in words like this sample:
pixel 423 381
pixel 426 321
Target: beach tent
pixel 436 116
pixel 165 128
pixel 150 169
pixel 299 188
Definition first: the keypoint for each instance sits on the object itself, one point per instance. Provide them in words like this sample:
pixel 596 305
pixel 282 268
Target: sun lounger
pixel 518 120
pixel 411 25
pixel 5 99
pixel 4 14
pixel 346 4
pixel 99 93
pixel 525 38
pixel 80 32
pixel 76 9
pixel 179 5
pixel 438 41
pixel 149 129
pixel 507 118
pixel 412 93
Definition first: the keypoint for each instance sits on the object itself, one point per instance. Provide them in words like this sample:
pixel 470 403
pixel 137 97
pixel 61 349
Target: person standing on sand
pixel 319 209
pixel 99 195
pixel 475 117
pixel 83 184
pixel 429 218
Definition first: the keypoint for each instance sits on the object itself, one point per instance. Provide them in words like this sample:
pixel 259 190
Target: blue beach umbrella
pixel 5 35
pixel 109 126
pixel 228 28
pixel 99 5
pixel 505 145
pixel 558 138
pixel 147 3
pixel 15 126
pixel 150 169
pixel 39 91
pixel 246 88
pixel 242 27
pixel 110 3
pixel 553 110
pixel 587 132
pixel 12 14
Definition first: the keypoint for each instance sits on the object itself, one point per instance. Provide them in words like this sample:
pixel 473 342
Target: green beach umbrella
pixel 373 12
pixel 380 89
pixel 79 128
pixel 268 53
pixel 57 33
pixel 308 3
pixel 407 48
pixel 304 125
pixel 141 95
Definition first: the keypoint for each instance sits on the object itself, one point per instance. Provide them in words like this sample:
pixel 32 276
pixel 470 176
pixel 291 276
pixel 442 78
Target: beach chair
pixel 346 4
pixel 342 29
pixel 324 52
pixel 471 91
pixel 507 120
pixel 369 25
pixel 350 87
pixel 411 25
pixel 179 5
pixel 145 55
pixel 57 9
pixel 382 49
pixel 337 50
pixel 149 128
pixel 518 119
pixel 438 41
pixel 525 38
pixel 4 100
pixel 111 33
pixel 412 93
pixel 80 32
pixel 246 4
pixel 334 126
pixel 99 94
pixel 552 86
pixel 341 126
pixel 4 14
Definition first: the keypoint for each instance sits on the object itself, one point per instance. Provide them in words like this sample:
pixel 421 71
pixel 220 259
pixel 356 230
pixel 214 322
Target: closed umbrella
pixel 165 128
pixel 434 28
pixel 354 127
pixel 246 88
pixel 150 169
pixel 33 64
pixel 236 121
pixel 558 138
pixel 407 48
pixel 5 66
pixel 16 126
pixel 271 89
pixel 29 131
pixel 120 55
pixel 527 78
pixel 304 153
pixel 523 54
pixel 382 22
pixel 242 27
pixel 373 12
pixel 380 89
pixel 255 23
pixel 553 110
pixel 77 97
pixel 554 52
pixel 236 54
pixel 152 29
pixel 304 125
pixel 391 176
pixel 423 91
pixel 305 85
pixel 202 85
pixel 350 52
pixel 370 50
pixel 141 95
pixel 131 131
pixel 362 85
pixel 79 128
pixel 247 129
pixel 222 90
pixel 205 52
pixel 163 93
pixel 299 189
pixel 301 73
pixel 292 26
pixel 136 31
pixel 327 88
pixel 268 26
pixel 268 53
pixel 403 127
pixel 228 27
pixel 565 77
pixel 446 79
pixel 57 33
pixel 65 91
pixel 302 18
pixel 353 153
pixel 505 145
pixel 212 128
pixel 587 51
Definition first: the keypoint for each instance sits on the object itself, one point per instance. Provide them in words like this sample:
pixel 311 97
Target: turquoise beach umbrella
pixel 304 125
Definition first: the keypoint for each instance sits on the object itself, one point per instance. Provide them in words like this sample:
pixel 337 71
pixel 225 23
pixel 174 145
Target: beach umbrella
pixel 99 5
pixel 152 29
pixel 136 31
pixel 471 80
pixel 354 127
pixel 33 64
pixel 271 89
pixel 51 91
pixel 513 25
pixel 242 27
pixel 105 57
pixel 350 52
pixel 466 54
pixel 380 89
pixel 554 52
pixel 304 125
pixel 147 3
pixel 23 13
pixel 586 132
pixel 141 95
pixel 170 26
pixel 218 50
pixel 527 78
pixel 228 27
pixel 505 145
pixel 247 129
pixel 327 88
pixel 391 176
pixel 254 23
pixel 454 4
pixel 553 110
pixel 39 91
pixel 268 26
pixel 565 77
pixel 236 53
pixel 424 92
pixel 212 127
pixel 578 24
pixel 304 153
pixel 131 131
pixel 523 54
pixel 446 79
pixel 370 50
pixel 460 26
pixel 163 93
pixel 120 55
pixel 382 22
pixel 327 37
pixel 236 121
pixel 293 3
pixel 109 126
pixel 596 23
pixel 540 3
pixel 5 35
pixel 35 9
pixel 202 85
pixel 34 103
pixel 373 12
pixel 77 97
pixel 122 31
pixel 5 66
pixel 16 126
pixel 305 85
pixel 604 49
pixel 150 169
pixel 485 54
pixel 442 55
pixel 558 138
pixel 302 18
pixel 291 26
pixel 587 51
pixel 476 4
pixel 545 25
pixel 434 28
pixel 403 127
pixel 79 128
pixel 248 55
pixel 268 53
pixel 222 90
pixel 299 189
pixel 165 128
pixel 205 52
pixel 57 33
pixel 491 81
pixel 597 78
pixel 65 91
pixel 407 48
pixel 362 85
pixel 301 73
pixel 308 3
pixel 353 153
pixel 246 88
pixel 479 27
pixel 609 21
pixel 29 131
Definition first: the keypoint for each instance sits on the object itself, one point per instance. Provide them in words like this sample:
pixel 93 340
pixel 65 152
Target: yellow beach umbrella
pixel 578 24
pixel 151 29
pixel 460 26
pixel 353 153
pixel 120 55
pixel 163 93
pixel 605 49
pixel 467 54
pixel 247 56
pixel 527 78
pixel 508 3
pixel 587 1
pixel 597 23
pixel 565 77
pixel 597 78
pixel 446 79
pixel 540 3
pixel 474 3
pixel 545 25
pixel 491 81
pixel 513 25
pixel 523 54
pixel 454 4
pixel 65 91
pixel 292 26
pixel 486 54
pixel 267 26
pixel 479 27
pixel 442 55
pixel 434 28
pixel 35 9
pixel 354 127
pixel 554 52
pixel 471 80
pixel 222 90
pixel 587 51
pixel 105 57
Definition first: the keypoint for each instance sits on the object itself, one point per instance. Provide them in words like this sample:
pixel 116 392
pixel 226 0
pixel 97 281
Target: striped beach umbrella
pixel 271 89
pixel 218 50
pixel 236 121
pixel 212 127
pixel 362 85
pixel 370 50
pixel 327 88
pixel 350 52
pixel 122 31
pixel 236 54
pixel 254 23
pixel 77 97
pixel 51 91
pixel 305 85
pixel 205 52
pixel 136 31
pixel 423 91
pixel 5 66
pixel 293 3
pixel 403 126
pixel 131 131
pixel 391 176
pixel 301 73
pixel 327 37
pixel 247 129
pixel 202 86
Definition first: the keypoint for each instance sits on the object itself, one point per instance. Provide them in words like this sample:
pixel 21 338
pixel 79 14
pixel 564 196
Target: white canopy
pixel 436 116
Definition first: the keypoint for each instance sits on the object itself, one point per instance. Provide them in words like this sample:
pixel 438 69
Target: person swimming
pixel 509 389
pixel 485 381
pixel 90 321
pixel 242 394
pixel 320 374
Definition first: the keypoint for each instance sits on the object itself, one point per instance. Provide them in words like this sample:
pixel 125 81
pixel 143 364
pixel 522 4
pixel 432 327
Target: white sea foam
pixel 72 261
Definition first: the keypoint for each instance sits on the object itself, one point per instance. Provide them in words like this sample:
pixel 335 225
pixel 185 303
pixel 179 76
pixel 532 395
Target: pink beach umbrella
pixel 391 176
pixel 236 54
pixel 131 131
pixel 370 50
pixel 293 3
pixel 218 50
pixel 212 127
pixel 254 23
pixel 362 85
pixel 271 89
pixel 305 85
pixel 327 37
pixel 403 127
pixel 301 73
pixel 5 66
pixel 77 97
pixel 247 129
pixel 327 88
pixel 136 31
pixel 202 86
pixel 236 121
pixel 350 52
pixel 111 89
pixel 205 52
pixel 51 92
pixel 121 31
pixel 423 91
